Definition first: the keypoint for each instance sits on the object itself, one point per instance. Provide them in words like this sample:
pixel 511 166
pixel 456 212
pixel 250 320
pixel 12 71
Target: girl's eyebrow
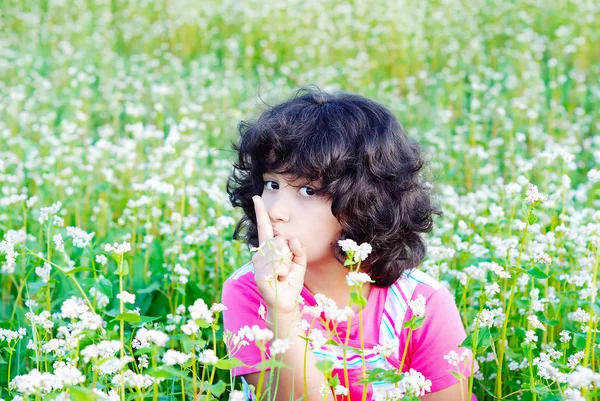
pixel 298 181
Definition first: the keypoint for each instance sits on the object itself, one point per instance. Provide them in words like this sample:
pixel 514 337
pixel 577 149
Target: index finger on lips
pixel 263 222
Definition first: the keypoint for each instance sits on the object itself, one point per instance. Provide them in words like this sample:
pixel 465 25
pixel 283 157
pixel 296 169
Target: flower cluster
pixel 355 252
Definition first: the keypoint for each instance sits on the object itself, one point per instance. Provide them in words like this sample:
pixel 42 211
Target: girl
pixel 311 171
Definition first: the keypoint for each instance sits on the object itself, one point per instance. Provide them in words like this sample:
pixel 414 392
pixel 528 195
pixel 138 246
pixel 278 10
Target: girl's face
pixel 296 212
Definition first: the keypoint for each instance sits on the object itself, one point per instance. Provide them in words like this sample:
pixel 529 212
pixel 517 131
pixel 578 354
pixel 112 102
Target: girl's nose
pixel 278 207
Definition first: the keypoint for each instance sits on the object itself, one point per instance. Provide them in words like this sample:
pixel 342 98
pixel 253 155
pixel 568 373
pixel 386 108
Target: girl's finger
pixel 299 253
pixel 263 222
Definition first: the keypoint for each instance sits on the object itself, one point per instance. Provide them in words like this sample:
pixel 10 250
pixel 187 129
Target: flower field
pixel 116 123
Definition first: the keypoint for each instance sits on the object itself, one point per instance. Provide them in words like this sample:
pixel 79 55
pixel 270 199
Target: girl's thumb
pixel 299 252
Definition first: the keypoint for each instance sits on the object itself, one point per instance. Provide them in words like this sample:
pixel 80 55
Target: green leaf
pixel 414 323
pixel 348 262
pixel 217 389
pixel 164 372
pixel 484 340
pixel 596 308
pixel 324 365
pixel 334 381
pixel 81 394
pixel 358 299
pixel 553 398
pixel 79 269
pixel 124 269
pixel 154 286
pixel 227 364
pixel 457 375
pixel 128 317
pixel 187 344
pixel 579 340
pixel 546 321
pixel 271 363
pixel 105 287
pixel 537 273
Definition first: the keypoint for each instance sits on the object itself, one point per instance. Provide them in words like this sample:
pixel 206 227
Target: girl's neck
pixel 330 280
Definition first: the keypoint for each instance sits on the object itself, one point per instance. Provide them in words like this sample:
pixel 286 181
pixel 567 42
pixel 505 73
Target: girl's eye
pixel 270 182
pixel 309 191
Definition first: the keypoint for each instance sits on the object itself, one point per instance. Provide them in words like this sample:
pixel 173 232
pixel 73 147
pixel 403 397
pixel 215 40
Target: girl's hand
pixel 279 265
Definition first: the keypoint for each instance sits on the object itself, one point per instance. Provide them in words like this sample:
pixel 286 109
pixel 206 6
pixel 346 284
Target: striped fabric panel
pixel 335 354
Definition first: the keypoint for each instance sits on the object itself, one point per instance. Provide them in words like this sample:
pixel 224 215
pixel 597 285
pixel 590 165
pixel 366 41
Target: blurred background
pixel 124 112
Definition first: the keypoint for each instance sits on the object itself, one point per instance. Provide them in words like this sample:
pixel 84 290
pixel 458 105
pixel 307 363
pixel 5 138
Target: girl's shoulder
pixel 416 282
pixel 243 273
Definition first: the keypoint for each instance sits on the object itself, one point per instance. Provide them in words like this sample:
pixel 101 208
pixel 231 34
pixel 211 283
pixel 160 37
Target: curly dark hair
pixel 369 169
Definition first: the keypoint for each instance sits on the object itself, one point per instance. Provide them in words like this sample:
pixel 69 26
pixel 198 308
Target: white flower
pixel 418 306
pixel 340 390
pixel 454 359
pixel 208 357
pixel 580 316
pixel 530 337
pixel 190 327
pixel 572 394
pixel 237 395
pixel 58 242
pixel 583 377
pixel 499 270
pixel 126 297
pixel 145 337
pixel 44 272
pixel 386 349
pixel 134 380
pixel 575 359
pixel 46 212
pixel 565 337
pixel 358 253
pixel 357 278
pixel 9 335
pixel 216 307
pixel 533 197
pixel 535 322
pixel 73 308
pixel 7 247
pixel 102 350
pixel 101 259
pixel 485 318
pixel 81 239
pixel 279 346
pixel 33 382
pixel 317 339
pixel 492 289
pixel 199 310
pixel 593 175
pixel 262 312
pixel 173 357
pixel 31 201
pixel 67 375
pixel 113 365
pixel 414 383
pixel 542 257
pixel 118 248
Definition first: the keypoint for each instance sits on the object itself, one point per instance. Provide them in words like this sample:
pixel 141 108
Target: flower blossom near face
pixel 418 306
pixel 357 278
pixel 358 252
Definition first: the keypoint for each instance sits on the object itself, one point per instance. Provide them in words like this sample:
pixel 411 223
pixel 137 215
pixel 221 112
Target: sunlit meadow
pixel 116 119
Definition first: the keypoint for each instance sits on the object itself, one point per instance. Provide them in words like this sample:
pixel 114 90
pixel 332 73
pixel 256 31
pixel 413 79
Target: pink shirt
pixel 383 317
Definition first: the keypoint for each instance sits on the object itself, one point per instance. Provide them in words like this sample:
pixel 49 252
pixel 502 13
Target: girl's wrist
pixel 283 321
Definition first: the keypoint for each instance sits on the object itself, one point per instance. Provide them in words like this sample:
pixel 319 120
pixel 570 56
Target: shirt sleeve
pixel 243 302
pixel 442 331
